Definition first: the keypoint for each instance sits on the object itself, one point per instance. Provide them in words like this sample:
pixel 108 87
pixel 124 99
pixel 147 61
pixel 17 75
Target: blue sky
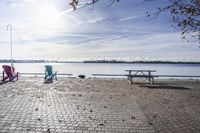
pixel 50 29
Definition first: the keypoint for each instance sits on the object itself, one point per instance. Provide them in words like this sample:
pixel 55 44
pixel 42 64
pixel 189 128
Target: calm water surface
pixel 106 68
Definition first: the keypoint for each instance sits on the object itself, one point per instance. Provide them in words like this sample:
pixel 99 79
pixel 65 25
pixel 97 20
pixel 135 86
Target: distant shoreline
pixel 143 62
pixel 99 61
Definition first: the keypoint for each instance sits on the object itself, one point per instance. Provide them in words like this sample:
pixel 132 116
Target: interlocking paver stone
pixel 39 107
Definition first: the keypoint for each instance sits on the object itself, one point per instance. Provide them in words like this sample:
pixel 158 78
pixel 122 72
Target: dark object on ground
pixel 48 130
pixel 81 76
pixel 101 124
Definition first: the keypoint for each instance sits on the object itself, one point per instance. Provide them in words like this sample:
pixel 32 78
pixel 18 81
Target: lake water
pixel 108 68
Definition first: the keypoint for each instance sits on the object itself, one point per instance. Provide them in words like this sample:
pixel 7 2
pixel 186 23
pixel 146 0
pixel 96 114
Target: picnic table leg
pixel 152 80
pixel 131 79
pixel 149 76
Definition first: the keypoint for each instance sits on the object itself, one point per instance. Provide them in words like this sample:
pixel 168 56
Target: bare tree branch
pixel 185 15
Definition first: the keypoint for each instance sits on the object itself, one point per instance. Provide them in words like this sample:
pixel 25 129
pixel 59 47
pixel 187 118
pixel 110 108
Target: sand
pixel 170 105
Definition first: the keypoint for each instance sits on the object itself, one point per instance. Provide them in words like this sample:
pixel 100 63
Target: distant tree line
pixel 36 61
pixel 95 61
pixel 150 62
pixel 22 61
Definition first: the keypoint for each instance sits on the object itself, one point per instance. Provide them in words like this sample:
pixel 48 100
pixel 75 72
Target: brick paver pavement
pixel 29 106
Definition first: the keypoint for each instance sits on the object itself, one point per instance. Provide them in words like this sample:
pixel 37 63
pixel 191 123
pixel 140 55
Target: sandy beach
pixel 99 105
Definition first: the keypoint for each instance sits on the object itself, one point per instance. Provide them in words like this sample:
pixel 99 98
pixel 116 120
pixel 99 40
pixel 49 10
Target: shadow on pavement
pixel 48 81
pixel 165 87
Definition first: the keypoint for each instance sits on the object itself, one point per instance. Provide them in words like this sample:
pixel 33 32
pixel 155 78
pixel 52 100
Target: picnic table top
pixel 141 70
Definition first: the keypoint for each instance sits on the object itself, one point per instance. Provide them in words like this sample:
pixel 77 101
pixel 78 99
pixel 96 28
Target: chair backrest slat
pixel 7 70
pixel 49 69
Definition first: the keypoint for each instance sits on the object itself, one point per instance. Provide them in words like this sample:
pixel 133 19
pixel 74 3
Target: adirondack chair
pixel 9 73
pixel 49 74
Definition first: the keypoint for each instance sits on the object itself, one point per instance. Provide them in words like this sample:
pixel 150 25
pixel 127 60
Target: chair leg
pixel 3 75
pixel 55 74
pixel 4 79
pixel 45 77
pixel 17 75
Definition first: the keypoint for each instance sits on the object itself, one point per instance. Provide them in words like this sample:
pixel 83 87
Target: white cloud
pixel 130 18
pixel 51 29
pixel 95 20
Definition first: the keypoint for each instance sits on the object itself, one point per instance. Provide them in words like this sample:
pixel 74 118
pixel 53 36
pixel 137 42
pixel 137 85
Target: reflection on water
pixel 91 68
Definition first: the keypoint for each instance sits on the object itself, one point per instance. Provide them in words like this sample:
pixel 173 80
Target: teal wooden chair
pixel 49 74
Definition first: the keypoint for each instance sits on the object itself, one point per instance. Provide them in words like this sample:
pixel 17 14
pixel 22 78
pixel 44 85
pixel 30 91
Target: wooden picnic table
pixel 140 74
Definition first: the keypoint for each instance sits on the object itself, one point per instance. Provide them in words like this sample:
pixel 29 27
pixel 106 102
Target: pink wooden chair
pixel 9 73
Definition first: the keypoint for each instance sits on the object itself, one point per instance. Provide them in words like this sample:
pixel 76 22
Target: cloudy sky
pixel 50 29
